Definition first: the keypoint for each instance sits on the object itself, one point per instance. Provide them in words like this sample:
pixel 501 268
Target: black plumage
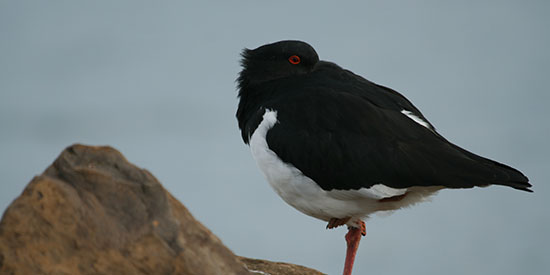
pixel 345 132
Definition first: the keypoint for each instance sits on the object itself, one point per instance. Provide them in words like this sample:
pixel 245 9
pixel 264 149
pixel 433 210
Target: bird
pixel 338 147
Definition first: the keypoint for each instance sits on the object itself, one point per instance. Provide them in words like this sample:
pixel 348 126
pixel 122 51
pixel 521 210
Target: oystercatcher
pixel 338 147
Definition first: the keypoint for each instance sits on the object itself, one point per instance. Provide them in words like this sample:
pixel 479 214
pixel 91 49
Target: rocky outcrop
pixel 93 212
pixel 268 267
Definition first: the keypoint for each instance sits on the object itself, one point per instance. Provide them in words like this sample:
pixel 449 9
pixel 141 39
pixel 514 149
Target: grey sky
pixel 156 81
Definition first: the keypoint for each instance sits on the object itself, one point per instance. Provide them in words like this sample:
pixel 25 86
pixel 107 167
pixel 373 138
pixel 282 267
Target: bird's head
pixel 277 60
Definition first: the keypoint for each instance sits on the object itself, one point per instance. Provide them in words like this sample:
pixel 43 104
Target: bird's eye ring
pixel 294 59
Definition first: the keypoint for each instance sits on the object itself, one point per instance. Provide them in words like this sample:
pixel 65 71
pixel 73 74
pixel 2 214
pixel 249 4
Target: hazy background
pixel 156 81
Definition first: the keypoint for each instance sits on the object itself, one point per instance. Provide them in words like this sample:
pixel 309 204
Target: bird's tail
pixel 500 174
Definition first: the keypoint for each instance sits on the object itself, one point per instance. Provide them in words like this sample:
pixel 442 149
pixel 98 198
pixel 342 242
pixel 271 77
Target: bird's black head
pixel 277 60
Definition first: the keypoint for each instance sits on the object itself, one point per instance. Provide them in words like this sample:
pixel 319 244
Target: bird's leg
pixel 352 239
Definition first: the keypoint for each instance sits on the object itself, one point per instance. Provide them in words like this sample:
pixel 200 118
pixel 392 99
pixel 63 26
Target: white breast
pixel 304 194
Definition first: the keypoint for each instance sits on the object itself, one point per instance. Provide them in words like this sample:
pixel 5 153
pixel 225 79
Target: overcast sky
pixel 156 81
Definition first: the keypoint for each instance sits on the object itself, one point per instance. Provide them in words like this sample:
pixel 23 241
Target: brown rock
pixel 277 268
pixel 93 212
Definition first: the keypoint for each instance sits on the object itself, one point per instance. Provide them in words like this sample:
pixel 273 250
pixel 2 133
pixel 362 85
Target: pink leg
pixel 352 239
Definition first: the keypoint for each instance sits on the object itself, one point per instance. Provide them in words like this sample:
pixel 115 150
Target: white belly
pixel 304 194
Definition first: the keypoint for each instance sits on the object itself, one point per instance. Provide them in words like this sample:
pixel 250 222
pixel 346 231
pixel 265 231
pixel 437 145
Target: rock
pixel 93 212
pixel 268 267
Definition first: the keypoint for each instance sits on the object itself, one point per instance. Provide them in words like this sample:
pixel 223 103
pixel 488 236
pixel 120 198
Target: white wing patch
pixel 376 192
pixel 415 118
pixel 383 191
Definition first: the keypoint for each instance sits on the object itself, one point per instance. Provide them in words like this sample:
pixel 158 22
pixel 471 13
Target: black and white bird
pixel 338 147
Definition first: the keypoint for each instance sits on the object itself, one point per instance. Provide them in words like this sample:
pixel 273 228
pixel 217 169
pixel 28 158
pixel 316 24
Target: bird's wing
pixel 344 141
pixel 380 96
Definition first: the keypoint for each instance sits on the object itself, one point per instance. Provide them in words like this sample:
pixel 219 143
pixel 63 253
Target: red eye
pixel 294 59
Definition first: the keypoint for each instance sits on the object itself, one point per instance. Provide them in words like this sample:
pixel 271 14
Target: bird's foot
pixel 363 228
pixel 334 222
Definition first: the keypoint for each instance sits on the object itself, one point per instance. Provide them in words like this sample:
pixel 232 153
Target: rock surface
pixel 93 212
pixel 268 267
